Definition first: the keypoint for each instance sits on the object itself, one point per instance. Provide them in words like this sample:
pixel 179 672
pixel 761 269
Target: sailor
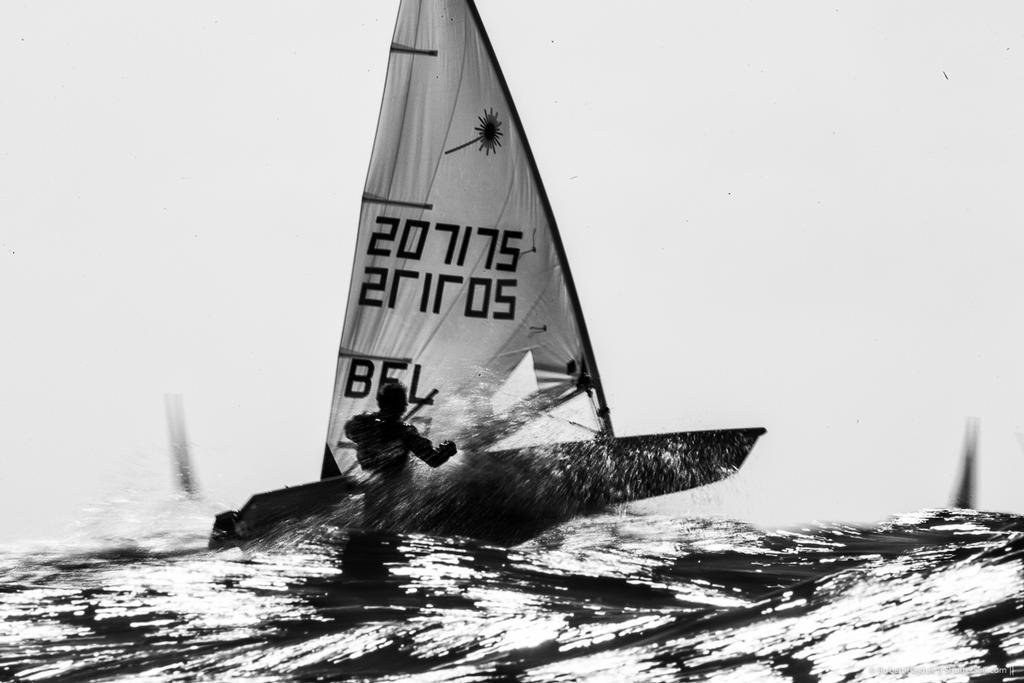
pixel 383 442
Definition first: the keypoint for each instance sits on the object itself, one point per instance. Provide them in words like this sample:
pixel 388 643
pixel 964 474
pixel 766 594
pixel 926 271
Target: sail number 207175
pixel 453 247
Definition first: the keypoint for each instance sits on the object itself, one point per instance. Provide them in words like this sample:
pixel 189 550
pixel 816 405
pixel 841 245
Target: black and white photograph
pixel 478 340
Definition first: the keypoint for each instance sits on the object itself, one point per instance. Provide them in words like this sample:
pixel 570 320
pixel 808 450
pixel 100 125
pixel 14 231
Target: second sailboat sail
pixel 460 287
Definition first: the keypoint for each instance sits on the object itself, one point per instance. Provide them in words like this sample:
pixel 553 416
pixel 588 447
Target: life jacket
pixel 383 444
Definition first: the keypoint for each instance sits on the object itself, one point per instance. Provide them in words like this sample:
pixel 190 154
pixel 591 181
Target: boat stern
pixel 225 531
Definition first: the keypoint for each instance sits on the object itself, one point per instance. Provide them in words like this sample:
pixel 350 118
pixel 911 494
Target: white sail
pixel 460 283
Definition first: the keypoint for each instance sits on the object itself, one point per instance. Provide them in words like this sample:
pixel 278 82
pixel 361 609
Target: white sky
pixel 803 216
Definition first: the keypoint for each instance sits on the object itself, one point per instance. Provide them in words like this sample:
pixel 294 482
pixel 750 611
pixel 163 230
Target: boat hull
pixel 502 497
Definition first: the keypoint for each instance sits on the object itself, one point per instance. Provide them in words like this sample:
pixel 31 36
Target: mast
pixel 588 351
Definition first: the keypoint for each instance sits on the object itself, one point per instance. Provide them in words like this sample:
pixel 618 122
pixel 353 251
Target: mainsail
pixel 460 287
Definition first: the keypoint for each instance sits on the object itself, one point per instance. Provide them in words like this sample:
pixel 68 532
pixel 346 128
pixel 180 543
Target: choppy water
pixel 933 596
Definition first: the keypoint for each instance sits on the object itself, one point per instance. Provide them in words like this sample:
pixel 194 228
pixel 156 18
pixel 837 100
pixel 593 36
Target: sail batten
pixel 458 259
pixel 396 202
pixel 395 47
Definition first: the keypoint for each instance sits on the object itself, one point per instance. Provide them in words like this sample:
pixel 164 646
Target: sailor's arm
pixel 423 449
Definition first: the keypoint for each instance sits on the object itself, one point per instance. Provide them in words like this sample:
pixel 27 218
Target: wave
pixel 650 598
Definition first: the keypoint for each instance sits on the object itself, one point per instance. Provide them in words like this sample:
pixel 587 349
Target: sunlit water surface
pixel 935 595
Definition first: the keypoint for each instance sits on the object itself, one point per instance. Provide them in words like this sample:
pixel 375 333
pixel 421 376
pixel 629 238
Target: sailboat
pixel 461 289
pixel 184 476
pixel 963 495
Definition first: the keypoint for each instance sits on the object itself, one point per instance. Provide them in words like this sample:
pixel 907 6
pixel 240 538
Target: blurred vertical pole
pixel 179 445
pixel 964 496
